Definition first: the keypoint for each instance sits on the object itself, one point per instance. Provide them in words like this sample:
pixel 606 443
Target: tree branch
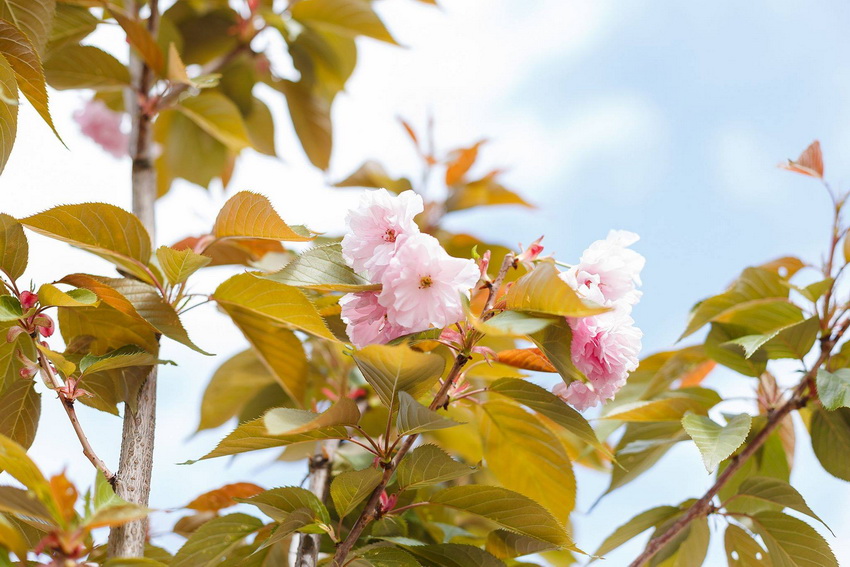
pixel 704 506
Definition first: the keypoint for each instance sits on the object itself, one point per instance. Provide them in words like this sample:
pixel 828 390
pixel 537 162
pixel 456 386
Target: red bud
pixel 28 299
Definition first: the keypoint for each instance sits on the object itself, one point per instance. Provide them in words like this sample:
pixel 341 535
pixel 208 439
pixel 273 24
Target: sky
pixel 662 117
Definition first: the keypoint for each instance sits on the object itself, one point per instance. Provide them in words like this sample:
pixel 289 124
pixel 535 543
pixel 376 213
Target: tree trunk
pixel 304 551
pixel 133 479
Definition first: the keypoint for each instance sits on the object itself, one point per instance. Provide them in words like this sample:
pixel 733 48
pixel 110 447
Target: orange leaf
pixel 240 252
pixel 410 132
pixel 527 359
pixel 697 374
pixel 462 160
pixel 809 163
pixel 65 495
pixel 223 497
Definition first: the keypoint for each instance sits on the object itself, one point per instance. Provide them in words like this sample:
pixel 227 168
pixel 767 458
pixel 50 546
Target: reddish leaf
pixel 527 359
pixel 809 163
pixel 223 497
pixel 462 160
pixel 410 131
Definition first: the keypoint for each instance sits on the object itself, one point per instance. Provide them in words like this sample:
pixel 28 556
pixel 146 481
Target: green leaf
pixel 384 556
pixel 19 501
pixel 393 369
pixel 105 230
pixel 178 265
pixel 71 24
pixel 636 526
pixel 716 442
pixel 288 421
pixel 260 126
pixel 311 117
pixel 830 431
pixel 777 492
pixel 753 284
pixel 640 447
pixel 453 555
pixel 123 357
pixel 10 308
pixel 543 291
pixel 85 67
pixel 345 17
pixel 253 436
pixel 50 295
pixel 545 403
pixel 251 215
pixel 143 299
pixel 214 540
pixel 14 460
pixel 792 542
pixel 719 346
pixel 280 503
pixel 427 465
pixel 254 300
pixel 505 545
pixel 742 550
pixel 8 111
pixel 525 456
pixel 232 386
pixel 834 388
pixel 26 64
pixel 351 488
pixel 217 116
pixel 14 249
pixel 671 407
pixel 513 324
pixel 33 17
pixel 189 152
pixel 20 409
pixel 322 268
pixel 414 418
pixel 11 538
pixel 508 509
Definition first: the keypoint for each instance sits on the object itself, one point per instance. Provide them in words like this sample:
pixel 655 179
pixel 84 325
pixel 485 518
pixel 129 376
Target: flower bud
pixel 44 325
pixel 531 253
pixel 484 264
pixel 28 299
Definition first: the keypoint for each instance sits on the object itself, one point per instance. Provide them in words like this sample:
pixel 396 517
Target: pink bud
pixel 388 502
pixel 28 299
pixel 531 253
pixel 450 335
pixel 27 372
pixel 44 325
pixel 484 264
pixel 330 394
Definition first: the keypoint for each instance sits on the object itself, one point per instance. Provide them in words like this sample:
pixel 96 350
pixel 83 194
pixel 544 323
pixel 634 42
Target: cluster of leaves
pixel 763 316
pixel 207 57
pixel 42 516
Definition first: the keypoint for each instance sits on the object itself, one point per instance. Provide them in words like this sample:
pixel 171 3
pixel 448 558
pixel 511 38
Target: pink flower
pixel 103 126
pixel 367 321
pixel 608 271
pixel 577 394
pixel 374 228
pixel 605 349
pixel 423 285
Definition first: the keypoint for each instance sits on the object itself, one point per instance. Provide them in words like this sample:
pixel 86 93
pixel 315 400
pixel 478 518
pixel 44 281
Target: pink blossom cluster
pixel 103 126
pixel 604 347
pixel 421 285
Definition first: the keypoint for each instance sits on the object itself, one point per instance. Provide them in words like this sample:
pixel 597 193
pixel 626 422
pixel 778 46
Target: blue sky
pixel 662 117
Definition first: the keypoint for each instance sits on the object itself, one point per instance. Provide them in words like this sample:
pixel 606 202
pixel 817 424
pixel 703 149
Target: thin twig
pixel 68 404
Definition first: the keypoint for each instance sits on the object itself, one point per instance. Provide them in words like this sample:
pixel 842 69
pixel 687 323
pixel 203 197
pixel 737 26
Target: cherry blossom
pixel 375 227
pixel 366 320
pixel 423 285
pixel 103 126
